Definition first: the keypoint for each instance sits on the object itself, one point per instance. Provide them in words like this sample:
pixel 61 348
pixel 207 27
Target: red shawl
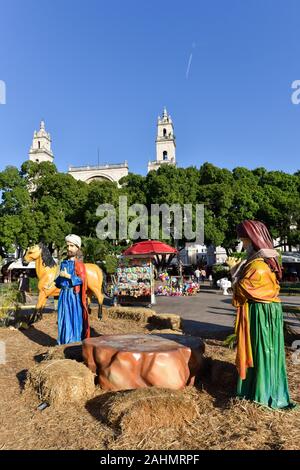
pixel 80 271
pixel 260 238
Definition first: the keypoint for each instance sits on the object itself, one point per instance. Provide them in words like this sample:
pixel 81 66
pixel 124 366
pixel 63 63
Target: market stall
pixel 135 273
pixel 135 281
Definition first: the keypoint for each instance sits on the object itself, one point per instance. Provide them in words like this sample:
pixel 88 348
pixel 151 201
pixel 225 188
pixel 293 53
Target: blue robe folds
pixel 70 311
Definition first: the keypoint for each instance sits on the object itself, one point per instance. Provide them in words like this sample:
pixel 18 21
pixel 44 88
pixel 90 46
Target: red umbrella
pixel 150 248
pixel 161 252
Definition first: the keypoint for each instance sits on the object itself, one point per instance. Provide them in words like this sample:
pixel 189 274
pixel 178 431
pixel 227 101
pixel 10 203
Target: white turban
pixel 75 239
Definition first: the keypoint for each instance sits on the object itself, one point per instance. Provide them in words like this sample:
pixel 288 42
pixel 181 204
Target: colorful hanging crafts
pixel 136 280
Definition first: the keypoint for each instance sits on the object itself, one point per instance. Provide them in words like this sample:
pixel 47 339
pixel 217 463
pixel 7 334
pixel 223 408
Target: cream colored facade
pixel 111 172
pixel 165 143
pixel 41 151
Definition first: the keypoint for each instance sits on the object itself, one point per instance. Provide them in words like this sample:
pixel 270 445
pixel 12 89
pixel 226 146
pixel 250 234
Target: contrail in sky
pixel 190 62
pixel 189 66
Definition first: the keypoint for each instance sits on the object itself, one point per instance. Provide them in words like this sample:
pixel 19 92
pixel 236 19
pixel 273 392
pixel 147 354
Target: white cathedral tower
pixel 165 143
pixel 40 151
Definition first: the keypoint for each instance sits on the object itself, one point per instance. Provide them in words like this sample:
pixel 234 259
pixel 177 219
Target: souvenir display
pixel 135 280
pixel 187 288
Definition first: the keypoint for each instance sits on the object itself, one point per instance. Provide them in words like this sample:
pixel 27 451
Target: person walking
pixel 197 275
pixel 23 286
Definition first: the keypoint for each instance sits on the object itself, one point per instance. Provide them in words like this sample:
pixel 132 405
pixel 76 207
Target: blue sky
pixel 99 73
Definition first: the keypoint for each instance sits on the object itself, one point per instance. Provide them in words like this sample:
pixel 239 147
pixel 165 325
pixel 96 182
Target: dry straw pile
pixel 61 381
pixel 135 411
pixel 65 351
pixel 144 316
pixel 138 314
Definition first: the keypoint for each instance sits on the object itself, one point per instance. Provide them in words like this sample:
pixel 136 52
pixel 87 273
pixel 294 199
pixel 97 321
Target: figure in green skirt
pixel 259 325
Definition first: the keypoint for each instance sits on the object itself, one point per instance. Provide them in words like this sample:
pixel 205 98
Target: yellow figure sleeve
pixel 258 284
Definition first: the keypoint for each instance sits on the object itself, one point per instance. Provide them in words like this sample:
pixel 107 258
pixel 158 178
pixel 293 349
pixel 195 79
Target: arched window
pixel 165 132
pixel 39 143
pixel 165 155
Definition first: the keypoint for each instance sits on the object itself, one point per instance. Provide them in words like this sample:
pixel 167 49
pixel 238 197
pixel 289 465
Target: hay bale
pixel 69 351
pixel 165 332
pixel 166 321
pixel 138 410
pixel 138 314
pixel 58 382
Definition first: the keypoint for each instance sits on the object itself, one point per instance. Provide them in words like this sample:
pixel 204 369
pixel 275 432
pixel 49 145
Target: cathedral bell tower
pixel 165 143
pixel 40 151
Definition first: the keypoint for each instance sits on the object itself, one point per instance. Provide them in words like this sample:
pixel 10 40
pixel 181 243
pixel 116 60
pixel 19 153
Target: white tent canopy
pixel 18 265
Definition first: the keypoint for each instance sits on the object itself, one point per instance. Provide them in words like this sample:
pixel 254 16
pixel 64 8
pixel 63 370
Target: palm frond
pixel 230 341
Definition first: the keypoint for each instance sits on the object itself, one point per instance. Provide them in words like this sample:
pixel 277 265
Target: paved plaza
pixel 209 313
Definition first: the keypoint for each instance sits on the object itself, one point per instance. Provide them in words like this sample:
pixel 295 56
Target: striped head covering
pixel 75 239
